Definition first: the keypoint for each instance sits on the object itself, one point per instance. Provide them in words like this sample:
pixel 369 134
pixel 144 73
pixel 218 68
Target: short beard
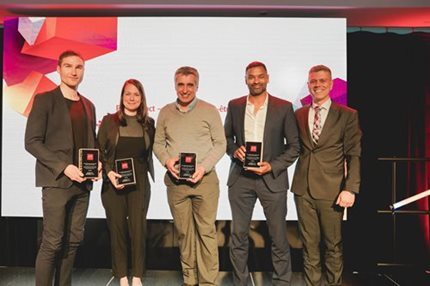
pixel 251 92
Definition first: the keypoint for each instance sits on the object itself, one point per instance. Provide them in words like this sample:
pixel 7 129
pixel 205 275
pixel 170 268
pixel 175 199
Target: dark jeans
pixel 64 214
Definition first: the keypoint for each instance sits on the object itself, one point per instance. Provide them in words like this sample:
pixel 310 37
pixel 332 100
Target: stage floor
pixel 24 276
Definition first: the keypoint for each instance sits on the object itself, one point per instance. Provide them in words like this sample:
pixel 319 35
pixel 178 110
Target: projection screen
pixel 150 49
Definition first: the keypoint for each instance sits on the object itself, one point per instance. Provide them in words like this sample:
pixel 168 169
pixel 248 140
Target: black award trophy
pixel 125 168
pixel 187 165
pixel 253 154
pixel 89 162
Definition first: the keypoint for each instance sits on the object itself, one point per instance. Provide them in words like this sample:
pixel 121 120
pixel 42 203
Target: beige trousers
pixel 194 209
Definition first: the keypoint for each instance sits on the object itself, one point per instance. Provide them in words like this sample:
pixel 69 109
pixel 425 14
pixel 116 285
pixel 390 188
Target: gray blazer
pixel 334 164
pixel 280 141
pixel 49 137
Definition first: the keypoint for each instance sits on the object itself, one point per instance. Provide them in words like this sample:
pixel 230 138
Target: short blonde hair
pixel 319 68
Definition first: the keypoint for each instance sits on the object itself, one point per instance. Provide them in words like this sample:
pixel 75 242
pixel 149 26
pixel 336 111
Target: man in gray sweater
pixel 191 125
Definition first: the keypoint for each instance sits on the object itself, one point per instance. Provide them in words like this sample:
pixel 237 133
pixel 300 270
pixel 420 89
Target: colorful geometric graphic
pixel 92 37
pixel 338 94
pixel 32 47
pixel 21 96
pixel 29 28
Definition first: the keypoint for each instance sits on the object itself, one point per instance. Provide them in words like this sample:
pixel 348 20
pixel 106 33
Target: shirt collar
pixel 326 105
pixel 266 101
pixel 189 107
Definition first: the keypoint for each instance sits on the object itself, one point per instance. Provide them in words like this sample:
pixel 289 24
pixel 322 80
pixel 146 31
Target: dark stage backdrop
pixel 389 83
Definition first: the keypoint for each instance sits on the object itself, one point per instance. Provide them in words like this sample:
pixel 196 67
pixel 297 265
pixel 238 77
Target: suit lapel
pixel 267 123
pixel 241 120
pixel 88 111
pixel 304 121
pixel 329 123
pixel 90 119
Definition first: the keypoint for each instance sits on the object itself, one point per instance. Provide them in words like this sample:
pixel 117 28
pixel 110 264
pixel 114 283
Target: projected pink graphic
pixel 338 94
pixel 20 96
pixel 32 46
pixel 29 28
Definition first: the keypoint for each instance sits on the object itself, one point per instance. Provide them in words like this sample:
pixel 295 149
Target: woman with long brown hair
pixel 124 135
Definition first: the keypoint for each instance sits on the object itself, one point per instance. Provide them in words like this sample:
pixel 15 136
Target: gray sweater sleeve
pixel 219 143
pixel 159 147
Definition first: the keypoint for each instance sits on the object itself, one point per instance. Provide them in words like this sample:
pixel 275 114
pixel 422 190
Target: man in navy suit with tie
pixel 264 118
pixel 327 176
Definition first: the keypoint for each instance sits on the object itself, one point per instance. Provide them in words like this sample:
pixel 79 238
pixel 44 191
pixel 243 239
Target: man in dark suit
pixel 327 176
pixel 61 122
pixel 263 118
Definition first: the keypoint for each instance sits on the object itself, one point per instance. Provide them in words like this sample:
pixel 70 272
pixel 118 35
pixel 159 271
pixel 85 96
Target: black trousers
pixel 64 215
pixel 126 211
pixel 320 221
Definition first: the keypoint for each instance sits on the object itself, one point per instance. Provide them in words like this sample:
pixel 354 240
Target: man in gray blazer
pixel 264 118
pixel 327 176
pixel 60 122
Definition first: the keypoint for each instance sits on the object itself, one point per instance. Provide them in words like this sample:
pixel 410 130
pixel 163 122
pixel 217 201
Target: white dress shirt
pixel 255 121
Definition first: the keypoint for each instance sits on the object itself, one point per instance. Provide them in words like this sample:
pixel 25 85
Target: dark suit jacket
pixel 108 138
pixel 49 137
pixel 321 168
pixel 280 141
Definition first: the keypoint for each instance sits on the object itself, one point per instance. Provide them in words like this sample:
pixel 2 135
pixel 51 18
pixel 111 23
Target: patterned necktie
pixel 316 128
